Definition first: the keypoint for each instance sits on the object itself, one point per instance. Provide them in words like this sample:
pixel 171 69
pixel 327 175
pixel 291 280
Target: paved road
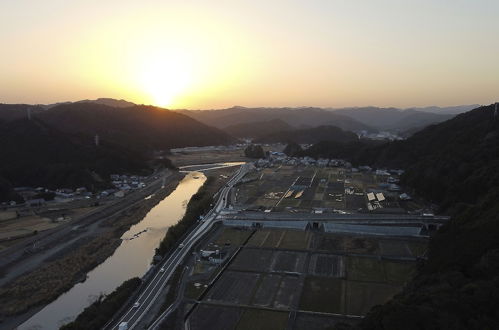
pixel 360 218
pixel 148 297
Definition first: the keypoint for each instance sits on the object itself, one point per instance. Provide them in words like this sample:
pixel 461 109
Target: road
pixel 150 293
pixel 358 218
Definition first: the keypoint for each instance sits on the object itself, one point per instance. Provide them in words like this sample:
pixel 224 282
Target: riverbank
pixel 199 204
pixel 26 295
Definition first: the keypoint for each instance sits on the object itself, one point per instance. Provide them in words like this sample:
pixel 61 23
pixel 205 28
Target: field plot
pixel 206 317
pixel 360 245
pixel 253 319
pixel 398 272
pixel 362 296
pixel 232 236
pixel 267 290
pixel 355 202
pixel 322 294
pixel 327 243
pixel 25 226
pixel 394 248
pixel 418 248
pixel 317 322
pixel 257 260
pixel 288 292
pixel 287 261
pixel 234 287
pixel 341 243
pixel 295 239
pixel 258 238
pixel 267 238
pixel 290 187
pixel 365 269
pixel 327 265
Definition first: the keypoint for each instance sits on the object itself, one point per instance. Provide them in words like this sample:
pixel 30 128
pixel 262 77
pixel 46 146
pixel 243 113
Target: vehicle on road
pixel 123 326
pixel 181 245
pixel 162 270
pixel 137 304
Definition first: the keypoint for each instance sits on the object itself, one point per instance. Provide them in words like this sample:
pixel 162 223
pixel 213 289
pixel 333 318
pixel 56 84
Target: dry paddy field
pixel 281 278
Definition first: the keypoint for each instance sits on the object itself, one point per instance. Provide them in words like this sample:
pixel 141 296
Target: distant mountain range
pixel 103 100
pixel 258 129
pixel 371 119
pixel 391 119
pixel 295 117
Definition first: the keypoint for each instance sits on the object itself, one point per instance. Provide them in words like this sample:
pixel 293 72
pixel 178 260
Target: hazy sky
pixel 213 54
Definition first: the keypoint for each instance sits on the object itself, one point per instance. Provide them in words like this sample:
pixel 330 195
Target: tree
pixel 292 149
pixel 254 151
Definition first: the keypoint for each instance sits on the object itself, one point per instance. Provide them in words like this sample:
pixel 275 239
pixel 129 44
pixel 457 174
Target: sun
pixel 164 77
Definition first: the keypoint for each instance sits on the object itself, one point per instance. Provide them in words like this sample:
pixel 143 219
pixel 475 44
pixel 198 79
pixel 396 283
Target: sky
pixel 216 54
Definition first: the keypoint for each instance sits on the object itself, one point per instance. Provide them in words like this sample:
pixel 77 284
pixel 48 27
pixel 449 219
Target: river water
pixel 132 258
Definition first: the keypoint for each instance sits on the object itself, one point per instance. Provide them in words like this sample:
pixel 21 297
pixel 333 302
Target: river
pixel 132 258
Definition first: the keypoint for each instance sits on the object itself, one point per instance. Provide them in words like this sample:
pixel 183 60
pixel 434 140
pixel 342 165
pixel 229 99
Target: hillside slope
pixel 297 117
pixel 393 119
pixel 257 129
pixel 39 155
pixel 140 127
pixel 456 164
pixel 310 135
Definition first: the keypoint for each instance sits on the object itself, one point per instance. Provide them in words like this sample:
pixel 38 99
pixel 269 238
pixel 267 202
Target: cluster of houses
pixel 390 177
pixel 125 182
pixel 36 197
pixel 279 158
pixel 384 135
pixel 209 148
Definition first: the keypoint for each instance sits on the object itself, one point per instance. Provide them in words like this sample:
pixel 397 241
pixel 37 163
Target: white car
pixel 162 270
pixel 137 304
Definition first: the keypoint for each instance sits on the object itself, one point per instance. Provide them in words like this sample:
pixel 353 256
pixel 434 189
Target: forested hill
pixel 310 135
pixel 455 163
pixel 458 286
pixel 144 127
pixel 257 129
pixel 36 154
pixel 56 148
pixel 296 117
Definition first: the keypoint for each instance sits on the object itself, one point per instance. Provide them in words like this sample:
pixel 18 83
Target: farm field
pixel 279 271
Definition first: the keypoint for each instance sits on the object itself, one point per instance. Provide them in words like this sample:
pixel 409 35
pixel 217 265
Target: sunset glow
pixel 285 53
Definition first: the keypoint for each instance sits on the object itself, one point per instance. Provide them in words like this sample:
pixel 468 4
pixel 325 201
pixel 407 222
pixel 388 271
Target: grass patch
pixel 48 282
pixel 199 204
pixel 96 315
